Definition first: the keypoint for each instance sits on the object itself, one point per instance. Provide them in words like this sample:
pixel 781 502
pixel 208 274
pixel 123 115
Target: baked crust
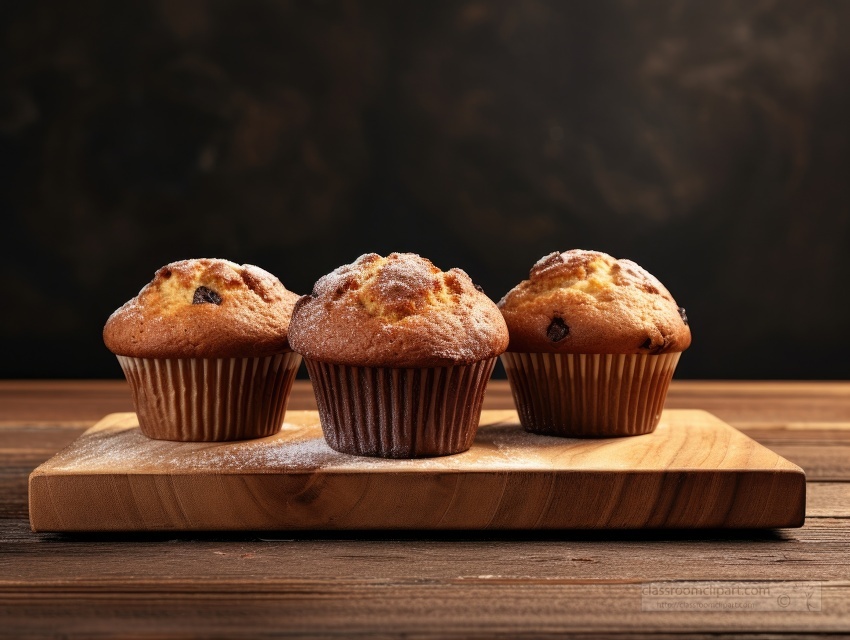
pixel 400 311
pixel 204 308
pixel 588 302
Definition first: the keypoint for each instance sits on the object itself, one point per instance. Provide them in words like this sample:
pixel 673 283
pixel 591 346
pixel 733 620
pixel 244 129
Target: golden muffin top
pixel 204 308
pixel 588 302
pixel 397 311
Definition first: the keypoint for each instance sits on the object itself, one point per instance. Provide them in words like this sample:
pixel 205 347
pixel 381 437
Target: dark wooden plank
pixel 424 609
pixel 415 584
pixel 60 401
pixel 828 499
pixel 818 551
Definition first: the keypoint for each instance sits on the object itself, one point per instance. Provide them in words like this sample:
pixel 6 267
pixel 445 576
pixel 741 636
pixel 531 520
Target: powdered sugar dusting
pixel 122 448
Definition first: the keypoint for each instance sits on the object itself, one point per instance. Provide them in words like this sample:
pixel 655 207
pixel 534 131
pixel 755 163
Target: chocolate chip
pixel 558 330
pixel 684 315
pixel 204 294
pixel 478 287
pixel 647 344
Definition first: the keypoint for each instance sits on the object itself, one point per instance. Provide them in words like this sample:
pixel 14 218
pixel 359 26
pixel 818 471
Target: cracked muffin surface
pixel 204 308
pixel 397 311
pixel 589 302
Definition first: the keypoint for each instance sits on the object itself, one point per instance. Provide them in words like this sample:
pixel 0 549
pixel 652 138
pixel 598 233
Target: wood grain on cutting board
pixel 693 471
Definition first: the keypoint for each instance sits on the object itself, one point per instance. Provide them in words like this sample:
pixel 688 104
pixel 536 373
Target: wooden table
pixel 421 584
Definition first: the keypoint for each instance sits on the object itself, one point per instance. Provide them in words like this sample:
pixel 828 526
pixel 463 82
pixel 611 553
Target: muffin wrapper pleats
pixel 589 395
pixel 400 413
pixel 210 399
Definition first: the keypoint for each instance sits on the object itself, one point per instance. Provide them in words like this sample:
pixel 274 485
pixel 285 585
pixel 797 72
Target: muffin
pixel 205 349
pixel 400 354
pixel 593 345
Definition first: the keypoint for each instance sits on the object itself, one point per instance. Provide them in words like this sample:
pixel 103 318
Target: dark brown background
pixel 709 141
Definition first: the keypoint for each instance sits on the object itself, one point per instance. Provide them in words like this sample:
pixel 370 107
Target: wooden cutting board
pixel 694 471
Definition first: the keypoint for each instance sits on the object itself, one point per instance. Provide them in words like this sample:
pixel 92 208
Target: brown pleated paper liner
pixel 210 399
pixel 400 413
pixel 589 395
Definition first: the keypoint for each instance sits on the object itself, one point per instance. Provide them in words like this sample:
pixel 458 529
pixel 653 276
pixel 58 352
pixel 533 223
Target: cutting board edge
pixel 789 484
pixel 788 471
